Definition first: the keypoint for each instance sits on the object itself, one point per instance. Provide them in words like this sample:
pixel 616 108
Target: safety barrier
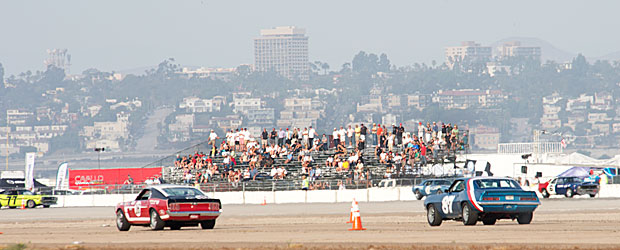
pixel 277 197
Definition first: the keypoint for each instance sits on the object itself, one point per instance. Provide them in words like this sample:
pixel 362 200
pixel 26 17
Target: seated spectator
pixel 273 173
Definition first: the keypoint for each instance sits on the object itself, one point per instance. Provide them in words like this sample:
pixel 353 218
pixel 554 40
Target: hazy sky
pixel 118 35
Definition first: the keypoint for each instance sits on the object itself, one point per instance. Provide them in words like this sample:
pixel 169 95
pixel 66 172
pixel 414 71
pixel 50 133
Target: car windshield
pixel 184 192
pixel 497 183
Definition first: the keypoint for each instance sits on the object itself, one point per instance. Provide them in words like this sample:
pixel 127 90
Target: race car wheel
pixel 545 193
pixel 592 195
pixel 418 195
pixel 121 222
pixel 489 221
pixel 175 227
pixel 433 217
pixel 470 217
pixel 569 193
pixel 525 218
pixel 31 204
pixel 207 224
pixel 156 222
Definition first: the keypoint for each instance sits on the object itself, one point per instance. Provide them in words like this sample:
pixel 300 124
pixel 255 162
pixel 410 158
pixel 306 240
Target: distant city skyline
pixel 120 35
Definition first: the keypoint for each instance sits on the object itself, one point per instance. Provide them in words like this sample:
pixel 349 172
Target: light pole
pixel 7 141
pixel 99 150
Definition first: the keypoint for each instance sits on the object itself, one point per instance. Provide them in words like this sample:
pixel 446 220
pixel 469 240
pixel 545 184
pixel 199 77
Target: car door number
pixel 446 204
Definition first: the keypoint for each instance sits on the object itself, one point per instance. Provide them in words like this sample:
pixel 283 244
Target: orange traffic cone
pixel 357 224
pixel 264 201
pixel 23 204
pixel 352 211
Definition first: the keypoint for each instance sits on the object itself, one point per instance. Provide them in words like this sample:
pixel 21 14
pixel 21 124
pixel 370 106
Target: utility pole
pixel 7 141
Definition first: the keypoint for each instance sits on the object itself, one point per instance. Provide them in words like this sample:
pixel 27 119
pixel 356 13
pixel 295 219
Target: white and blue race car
pixel 430 186
pixel 485 199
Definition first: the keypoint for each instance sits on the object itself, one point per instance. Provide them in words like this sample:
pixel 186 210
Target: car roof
pixel 486 178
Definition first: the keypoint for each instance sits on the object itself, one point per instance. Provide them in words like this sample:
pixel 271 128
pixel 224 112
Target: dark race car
pixel 168 206
pixel 485 199
pixel 568 186
pixel 430 186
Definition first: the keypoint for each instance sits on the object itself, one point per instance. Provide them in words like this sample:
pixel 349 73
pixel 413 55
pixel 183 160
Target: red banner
pixel 108 178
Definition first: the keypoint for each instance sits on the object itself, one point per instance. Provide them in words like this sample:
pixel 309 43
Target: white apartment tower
pixel 283 50
pixel 469 49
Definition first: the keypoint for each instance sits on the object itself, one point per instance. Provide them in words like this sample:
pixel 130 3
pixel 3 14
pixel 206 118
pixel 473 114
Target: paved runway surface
pixel 557 223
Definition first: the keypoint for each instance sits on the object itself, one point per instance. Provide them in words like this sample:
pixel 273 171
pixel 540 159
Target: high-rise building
pixel 283 50
pixel 514 49
pixel 470 50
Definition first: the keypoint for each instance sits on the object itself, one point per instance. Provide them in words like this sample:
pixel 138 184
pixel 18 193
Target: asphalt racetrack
pixel 558 223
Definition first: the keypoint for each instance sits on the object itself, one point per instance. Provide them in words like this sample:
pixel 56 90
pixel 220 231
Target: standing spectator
pixel 363 133
pixel 378 141
pixel 272 137
pixel 420 131
pixel 289 136
pixel 305 138
pixel 212 137
pixel 281 135
pixel 358 132
pixel 374 134
pixel 399 134
pixel 311 134
pixel 350 132
pixel 342 134
pixel 422 154
pixel 324 143
pixel 336 137
pixel 264 137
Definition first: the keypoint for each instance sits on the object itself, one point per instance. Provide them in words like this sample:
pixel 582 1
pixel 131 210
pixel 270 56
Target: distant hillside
pixel 549 52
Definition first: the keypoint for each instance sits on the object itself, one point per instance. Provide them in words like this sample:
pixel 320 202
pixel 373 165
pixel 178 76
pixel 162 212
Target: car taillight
pixel 528 199
pixel 490 198
pixel 174 207
pixel 214 206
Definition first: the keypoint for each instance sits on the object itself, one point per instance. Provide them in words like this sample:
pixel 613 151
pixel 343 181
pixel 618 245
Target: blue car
pixel 430 186
pixel 485 199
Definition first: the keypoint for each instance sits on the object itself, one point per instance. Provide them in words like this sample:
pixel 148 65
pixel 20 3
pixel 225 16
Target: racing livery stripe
pixel 472 196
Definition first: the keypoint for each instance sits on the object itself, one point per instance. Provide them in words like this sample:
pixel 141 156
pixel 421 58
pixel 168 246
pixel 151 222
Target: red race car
pixel 168 206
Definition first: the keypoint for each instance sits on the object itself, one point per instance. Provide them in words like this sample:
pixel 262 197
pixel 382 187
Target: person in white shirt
pixel 336 137
pixel 273 172
pixel 342 133
pixel 311 134
pixel 350 133
pixel 212 137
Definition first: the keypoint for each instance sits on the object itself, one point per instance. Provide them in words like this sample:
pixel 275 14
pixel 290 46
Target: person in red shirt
pixel 423 154
pixel 379 133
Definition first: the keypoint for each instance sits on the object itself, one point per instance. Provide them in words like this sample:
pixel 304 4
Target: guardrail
pixel 529 147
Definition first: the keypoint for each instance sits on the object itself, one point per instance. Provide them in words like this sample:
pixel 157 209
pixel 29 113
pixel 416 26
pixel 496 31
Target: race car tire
pixel 489 221
pixel 592 195
pixel 46 206
pixel 418 195
pixel 207 224
pixel 545 193
pixel 525 218
pixel 31 204
pixel 175 227
pixel 432 216
pixel 156 222
pixel 470 217
pixel 121 222
pixel 569 193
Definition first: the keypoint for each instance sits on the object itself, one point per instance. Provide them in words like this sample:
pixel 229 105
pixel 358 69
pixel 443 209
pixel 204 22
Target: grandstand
pixel 330 178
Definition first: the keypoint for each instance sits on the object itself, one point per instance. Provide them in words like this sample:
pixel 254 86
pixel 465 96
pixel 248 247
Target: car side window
pixel 560 181
pixel 144 195
pixel 156 194
pixel 457 186
pixel 428 183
